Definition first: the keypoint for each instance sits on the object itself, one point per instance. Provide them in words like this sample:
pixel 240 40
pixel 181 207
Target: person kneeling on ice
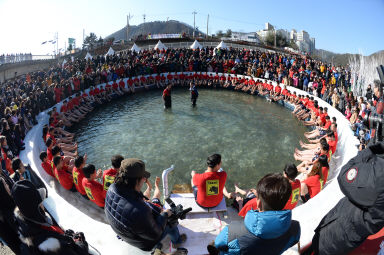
pixel 268 230
pixel 37 230
pixel 137 221
pixel 93 189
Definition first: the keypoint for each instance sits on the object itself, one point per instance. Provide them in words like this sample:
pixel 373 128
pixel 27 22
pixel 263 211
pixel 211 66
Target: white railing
pixel 164 177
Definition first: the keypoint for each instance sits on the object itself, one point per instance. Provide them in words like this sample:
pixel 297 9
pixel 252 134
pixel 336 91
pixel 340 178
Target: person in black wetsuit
pixel 194 94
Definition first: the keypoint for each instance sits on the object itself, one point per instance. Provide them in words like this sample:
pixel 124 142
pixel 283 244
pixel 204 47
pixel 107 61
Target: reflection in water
pixel 254 137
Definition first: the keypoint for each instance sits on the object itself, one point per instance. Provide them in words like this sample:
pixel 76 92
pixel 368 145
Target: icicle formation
pixel 363 71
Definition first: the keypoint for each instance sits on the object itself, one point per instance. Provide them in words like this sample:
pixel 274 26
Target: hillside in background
pixel 156 27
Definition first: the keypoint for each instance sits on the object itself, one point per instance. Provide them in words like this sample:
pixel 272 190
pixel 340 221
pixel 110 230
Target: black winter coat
pixel 361 212
pixel 39 241
pixel 133 219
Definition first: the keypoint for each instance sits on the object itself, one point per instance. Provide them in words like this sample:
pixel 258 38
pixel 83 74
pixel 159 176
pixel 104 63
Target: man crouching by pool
pixel 209 187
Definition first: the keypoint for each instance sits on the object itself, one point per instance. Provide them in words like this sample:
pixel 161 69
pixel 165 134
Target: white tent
pixel 196 45
pixel 221 45
pixel 135 48
pixel 88 56
pixel 110 52
pixel 160 46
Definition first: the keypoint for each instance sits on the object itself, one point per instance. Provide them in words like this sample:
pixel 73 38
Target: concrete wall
pixel 7 71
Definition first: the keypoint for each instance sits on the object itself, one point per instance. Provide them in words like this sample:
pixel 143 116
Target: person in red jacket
pixel 78 174
pixel 49 144
pixel 167 97
pixel 110 174
pixel 6 162
pixel 313 184
pixel 290 172
pixel 63 174
pixel 46 164
pixel 209 187
pixel 94 189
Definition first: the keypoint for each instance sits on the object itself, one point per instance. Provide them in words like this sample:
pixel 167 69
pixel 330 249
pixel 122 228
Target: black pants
pixel 193 100
pixel 167 102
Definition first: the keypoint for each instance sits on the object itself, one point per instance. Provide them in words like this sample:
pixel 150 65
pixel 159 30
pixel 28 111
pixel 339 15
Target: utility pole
pixel 194 22
pixel 128 18
pixel 83 35
pixel 167 25
pixel 144 26
pixel 57 43
pixel 207 25
pixel 275 37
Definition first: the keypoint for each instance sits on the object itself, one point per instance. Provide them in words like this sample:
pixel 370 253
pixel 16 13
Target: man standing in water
pixel 194 94
pixel 167 97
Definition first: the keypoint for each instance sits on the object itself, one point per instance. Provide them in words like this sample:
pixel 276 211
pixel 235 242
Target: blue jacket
pixel 270 232
pixel 133 219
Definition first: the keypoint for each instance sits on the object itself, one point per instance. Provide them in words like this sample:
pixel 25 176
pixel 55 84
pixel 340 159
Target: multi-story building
pixel 263 33
pixel 302 39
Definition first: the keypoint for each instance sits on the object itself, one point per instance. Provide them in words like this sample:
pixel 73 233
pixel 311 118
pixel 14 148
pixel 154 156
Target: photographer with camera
pixel 136 220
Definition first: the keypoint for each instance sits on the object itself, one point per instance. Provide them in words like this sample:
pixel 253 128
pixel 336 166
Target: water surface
pixel 253 136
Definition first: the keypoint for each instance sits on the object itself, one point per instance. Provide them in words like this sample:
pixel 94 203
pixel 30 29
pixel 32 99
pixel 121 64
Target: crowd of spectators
pixel 23 98
pixel 14 58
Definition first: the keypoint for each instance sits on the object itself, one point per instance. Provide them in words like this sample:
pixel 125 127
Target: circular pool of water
pixel 253 136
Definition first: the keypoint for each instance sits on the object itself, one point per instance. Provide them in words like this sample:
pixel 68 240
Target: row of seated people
pixel 245 200
pixel 80 176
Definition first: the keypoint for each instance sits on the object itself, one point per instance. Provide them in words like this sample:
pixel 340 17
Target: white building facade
pixel 302 39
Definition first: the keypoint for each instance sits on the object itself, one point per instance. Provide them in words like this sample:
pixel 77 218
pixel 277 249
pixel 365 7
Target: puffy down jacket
pixel 267 233
pixel 133 219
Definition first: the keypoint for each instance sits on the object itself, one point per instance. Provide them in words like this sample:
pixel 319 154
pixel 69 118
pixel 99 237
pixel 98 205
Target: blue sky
pixel 340 25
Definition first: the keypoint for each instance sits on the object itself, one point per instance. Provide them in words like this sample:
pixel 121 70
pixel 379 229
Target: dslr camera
pixel 178 212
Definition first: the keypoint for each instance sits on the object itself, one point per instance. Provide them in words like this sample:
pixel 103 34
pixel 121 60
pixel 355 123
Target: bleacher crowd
pixel 24 97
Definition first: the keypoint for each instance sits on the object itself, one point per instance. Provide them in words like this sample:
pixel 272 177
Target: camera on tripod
pixel 178 212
